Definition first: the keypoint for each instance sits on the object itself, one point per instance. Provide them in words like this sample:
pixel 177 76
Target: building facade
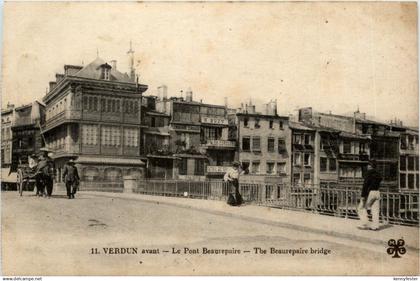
pixel 94 113
pixel 7 121
pixel 264 142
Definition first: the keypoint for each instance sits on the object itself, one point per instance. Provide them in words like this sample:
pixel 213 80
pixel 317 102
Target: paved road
pixel 55 237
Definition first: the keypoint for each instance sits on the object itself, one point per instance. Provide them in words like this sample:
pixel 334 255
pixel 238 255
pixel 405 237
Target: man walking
pixel 71 178
pixel 370 197
pixel 45 172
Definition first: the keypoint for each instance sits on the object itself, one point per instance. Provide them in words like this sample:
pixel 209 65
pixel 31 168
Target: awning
pixel 109 161
pixel 5 177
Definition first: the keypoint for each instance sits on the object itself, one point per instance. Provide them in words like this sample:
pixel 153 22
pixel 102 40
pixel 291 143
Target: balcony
pixel 217 169
pixel 219 144
pixel 59 118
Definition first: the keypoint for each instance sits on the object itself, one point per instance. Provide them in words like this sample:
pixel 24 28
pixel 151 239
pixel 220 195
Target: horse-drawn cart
pixel 25 178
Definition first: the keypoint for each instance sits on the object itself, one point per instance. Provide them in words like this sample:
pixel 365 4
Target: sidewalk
pixel 303 221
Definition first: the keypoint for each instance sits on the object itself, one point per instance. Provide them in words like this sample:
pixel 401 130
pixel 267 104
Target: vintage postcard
pixel 210 138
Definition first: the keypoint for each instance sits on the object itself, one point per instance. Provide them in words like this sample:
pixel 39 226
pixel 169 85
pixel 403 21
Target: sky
pixel 331 56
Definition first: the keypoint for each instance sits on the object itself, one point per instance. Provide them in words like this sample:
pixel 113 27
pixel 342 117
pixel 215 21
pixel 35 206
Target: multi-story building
pixel 409 157
pixel 264 142
pixel 215 140
pixel 7 120
pixel 189 158
pixel 94 112
pixel 26 131
pixel 302 155
pixel 360 139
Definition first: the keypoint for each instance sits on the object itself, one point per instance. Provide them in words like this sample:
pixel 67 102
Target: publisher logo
pixel 396 248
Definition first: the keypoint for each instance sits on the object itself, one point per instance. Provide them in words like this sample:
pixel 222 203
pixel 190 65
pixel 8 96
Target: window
pixel 153 122
pixel 199 167
pixel 296 178
pixel 307 139
pixel 307 178
pixel 411 181
pixel 255 169
pixel 271 124
pixel 246 122
pixel 297 139
pixel 403 143
pixel 257 123
pixel 281 146
pixel 245 166
pixel 332 164
pixel 281 168
pixel 270 168
pixel 131 137
pixel 281 125
pixel 362 148
pixel 256 144
pixel 403 180
pixel 296 159
pixel 89 134
pixel 270 145
pixel 403 163
pixel 246 144
pixel 307 159
pixel 411 163
pixel 183 166
pixel 346 147
pixel 111 136
pixel 324 162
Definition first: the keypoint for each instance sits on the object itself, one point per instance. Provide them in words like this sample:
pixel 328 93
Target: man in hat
pixel 45 173
pixel 232 177
pixel 370 197
pixel 71 178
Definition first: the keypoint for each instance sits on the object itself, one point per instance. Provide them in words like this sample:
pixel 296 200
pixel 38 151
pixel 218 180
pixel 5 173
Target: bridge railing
pixel 340 201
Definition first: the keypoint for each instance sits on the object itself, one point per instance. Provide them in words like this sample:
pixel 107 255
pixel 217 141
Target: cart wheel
pixel 20 182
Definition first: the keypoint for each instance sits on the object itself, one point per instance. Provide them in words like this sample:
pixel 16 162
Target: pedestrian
pixel 370 197
pixel 45 173
pixel 232 177
pixel 71 178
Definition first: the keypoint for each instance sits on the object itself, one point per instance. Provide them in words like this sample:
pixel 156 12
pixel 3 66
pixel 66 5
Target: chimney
pixel 189 95
pixel 52 85
pixel 267 109
pixel 114 64
pixel 71 69
pixel 10 105
pixel 226 102
pixel 163 92
pixel 275 106
pixel 59 77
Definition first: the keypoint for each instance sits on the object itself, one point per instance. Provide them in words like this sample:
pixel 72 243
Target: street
pixel 97 235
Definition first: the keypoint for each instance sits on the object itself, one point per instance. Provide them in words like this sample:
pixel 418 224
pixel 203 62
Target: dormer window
pixel 105 71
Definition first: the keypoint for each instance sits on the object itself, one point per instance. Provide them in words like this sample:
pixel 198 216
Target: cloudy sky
pixel 331 56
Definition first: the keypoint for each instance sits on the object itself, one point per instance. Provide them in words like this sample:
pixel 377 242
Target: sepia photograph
pixel 209 139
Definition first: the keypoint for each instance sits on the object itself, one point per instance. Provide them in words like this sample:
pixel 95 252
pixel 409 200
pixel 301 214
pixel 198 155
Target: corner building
pixel 94 113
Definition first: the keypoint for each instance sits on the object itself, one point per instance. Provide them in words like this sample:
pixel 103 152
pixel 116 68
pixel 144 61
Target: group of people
pixel 43 167
pixel 370 196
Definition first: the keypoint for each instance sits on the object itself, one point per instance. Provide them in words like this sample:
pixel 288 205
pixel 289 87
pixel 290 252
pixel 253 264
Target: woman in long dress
pixel 232 176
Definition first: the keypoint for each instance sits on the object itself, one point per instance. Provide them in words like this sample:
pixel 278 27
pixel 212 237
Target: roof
pixel 299 126
pixel 111 161
pixel 157 113
pixel 353 136
pixel 93 71
pixel 260 115
pixel 157 131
